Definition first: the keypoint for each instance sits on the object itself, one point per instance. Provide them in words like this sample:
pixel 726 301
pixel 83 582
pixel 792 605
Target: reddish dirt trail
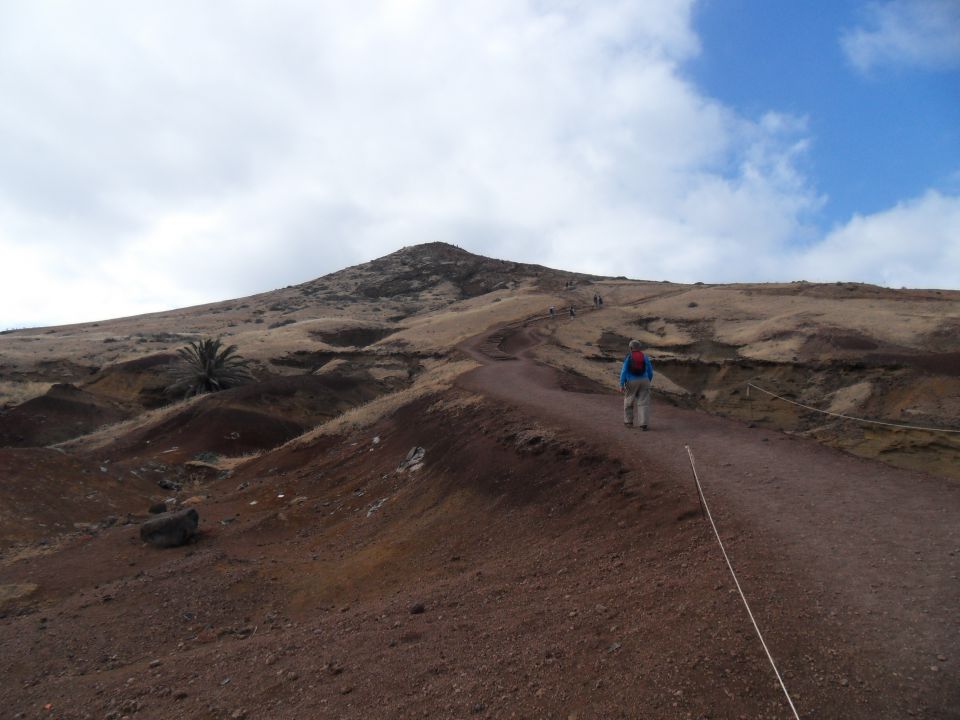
pixel 859 555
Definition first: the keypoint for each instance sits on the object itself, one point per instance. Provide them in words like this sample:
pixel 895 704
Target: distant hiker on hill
pixel 553 312
pixel 573 313
pixel 635 377
pixel 599 300
pixel 596 300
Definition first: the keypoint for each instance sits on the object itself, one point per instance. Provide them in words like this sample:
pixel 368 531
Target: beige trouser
pixel 636 402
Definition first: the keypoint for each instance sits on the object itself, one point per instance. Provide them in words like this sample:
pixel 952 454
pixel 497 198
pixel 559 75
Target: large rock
pixel 171 529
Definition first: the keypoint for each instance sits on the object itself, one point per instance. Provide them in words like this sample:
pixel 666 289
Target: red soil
pixel 45 492
pixel 64 412
pixel 245 419
pixel 561 561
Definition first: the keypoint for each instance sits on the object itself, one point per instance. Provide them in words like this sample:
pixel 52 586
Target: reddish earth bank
pixel 64 412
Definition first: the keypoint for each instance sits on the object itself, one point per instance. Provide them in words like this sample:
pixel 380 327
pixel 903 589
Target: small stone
pixel 155 663
pixel 238 715
pixel 346 690
pixel 417 609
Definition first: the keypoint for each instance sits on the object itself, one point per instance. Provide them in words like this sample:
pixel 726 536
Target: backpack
pixel 637 364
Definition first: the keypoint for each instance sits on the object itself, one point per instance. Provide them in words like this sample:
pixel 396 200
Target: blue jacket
pixel 626 375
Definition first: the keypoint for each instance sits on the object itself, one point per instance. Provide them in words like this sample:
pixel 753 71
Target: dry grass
pixel 231 463
pixel 606 374
pixel 443 329
pixel 438 376
pixel 768 322
pixel 462 401
pixel 101 437
pixel 750 315
pixel 851 398
pixel 14 393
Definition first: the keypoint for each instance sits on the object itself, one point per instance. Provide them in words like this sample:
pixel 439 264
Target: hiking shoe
pixel 643 427
pixel 626 424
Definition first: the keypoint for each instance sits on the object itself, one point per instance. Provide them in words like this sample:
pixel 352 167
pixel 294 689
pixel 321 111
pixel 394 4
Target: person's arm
pixel 648 368
pixel 623 372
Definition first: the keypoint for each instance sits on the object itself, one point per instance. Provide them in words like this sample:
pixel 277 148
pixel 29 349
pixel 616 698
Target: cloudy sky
pixel 161 153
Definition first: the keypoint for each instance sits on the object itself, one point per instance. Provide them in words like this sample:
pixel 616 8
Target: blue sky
pixel 166 153
pixel 877 136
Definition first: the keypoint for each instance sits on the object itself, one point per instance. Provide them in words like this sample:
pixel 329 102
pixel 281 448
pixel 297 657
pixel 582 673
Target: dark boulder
pixel 171 529
pixel 158 508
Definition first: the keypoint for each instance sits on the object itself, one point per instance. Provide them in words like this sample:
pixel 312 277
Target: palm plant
pixel 208 366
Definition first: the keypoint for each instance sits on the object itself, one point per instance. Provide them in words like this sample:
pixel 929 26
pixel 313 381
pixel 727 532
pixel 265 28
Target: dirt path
pixel 862 556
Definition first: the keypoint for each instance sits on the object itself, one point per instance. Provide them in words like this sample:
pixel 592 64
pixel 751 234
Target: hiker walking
pixel 596 300
pixel 599 300
pixel 635 377
pixel 573 313
pixel 553 312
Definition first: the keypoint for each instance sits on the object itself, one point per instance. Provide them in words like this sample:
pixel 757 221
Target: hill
pixel 535 558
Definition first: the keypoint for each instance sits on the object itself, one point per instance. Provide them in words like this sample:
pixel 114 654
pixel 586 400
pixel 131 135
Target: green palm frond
pixel 208 366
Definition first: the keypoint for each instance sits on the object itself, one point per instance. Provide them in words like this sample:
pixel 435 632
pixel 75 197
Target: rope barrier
pixel 704 506
pixel 850 417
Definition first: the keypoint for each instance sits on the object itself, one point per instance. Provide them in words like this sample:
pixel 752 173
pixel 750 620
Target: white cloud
pixel 160 154
pixel 912 33
pixel 915 244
